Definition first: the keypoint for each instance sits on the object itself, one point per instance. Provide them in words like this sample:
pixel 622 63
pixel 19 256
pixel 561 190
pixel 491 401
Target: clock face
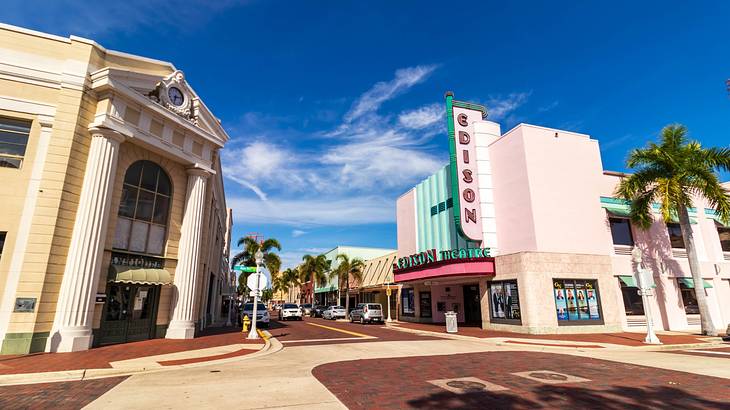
pixel 176 96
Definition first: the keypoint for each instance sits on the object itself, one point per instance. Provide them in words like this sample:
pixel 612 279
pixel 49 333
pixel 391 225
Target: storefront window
pixel 621 231
pixel 505 302
pixel 689 299
pixel 143 209
pixel 724 234
pixel 424 300
pixel 577 301
pixel 408 302
pixel 675 235
pixel 632 301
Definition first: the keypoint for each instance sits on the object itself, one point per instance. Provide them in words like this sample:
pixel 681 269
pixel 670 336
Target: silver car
pixel 334 312
pixel 367 313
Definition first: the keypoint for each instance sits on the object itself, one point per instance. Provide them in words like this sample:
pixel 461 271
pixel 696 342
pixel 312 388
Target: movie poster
pixel 512 302
pixel 497 295
pixel 580 295
pixel 593 305
pixel 571 302
pixel 560 302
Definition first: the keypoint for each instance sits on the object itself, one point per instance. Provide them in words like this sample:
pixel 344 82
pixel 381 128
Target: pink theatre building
pixel 521 231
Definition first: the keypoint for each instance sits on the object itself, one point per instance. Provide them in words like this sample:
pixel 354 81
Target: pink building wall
pixel 405 209
pixel 454 295
pixel 536 171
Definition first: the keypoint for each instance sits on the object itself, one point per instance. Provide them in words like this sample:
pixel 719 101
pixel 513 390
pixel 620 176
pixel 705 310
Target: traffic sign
pixel 257 282
pixel 244 269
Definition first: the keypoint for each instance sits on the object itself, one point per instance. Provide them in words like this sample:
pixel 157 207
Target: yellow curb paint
pixel 262 334
pixel 340 330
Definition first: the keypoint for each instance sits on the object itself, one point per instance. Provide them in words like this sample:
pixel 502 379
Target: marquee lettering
pixel 467 176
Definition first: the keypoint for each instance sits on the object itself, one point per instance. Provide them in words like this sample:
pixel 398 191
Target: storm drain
pixel 464 385
pixel 550 377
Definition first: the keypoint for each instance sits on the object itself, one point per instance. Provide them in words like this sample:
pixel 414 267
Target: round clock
pixel 176 96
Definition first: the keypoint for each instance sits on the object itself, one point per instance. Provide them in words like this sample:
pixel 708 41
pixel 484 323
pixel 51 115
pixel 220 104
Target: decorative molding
pixel 161 95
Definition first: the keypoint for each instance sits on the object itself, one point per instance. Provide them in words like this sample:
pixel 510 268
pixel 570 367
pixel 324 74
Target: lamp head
pixel 259 256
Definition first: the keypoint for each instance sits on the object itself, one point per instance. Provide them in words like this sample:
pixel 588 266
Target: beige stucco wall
pixel 535 271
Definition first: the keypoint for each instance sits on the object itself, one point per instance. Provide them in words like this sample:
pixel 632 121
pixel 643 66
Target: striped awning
pixel 144 276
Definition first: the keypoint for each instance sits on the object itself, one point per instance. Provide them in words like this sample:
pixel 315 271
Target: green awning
pixel 712 215
pixel 628 281
pixel 690 283
pixel 146 276
pixel 675 219
pixel 617 210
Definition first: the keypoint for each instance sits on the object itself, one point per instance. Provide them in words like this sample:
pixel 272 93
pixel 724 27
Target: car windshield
pixel 374 307
pixel 290 306
pixel 336 307
pixel 249 306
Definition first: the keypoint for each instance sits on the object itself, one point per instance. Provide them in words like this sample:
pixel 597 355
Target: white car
pixel 290 311
pixel 334 312
pixel 262 315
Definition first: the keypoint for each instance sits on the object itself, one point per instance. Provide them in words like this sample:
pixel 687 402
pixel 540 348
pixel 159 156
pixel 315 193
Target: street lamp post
pixel 259 256
pixel 645 289
pixel 387 296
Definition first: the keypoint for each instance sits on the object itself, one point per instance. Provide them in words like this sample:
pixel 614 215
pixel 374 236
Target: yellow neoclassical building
pixel 113 219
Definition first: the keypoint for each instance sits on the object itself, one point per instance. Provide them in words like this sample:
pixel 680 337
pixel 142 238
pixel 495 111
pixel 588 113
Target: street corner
pixel 519 380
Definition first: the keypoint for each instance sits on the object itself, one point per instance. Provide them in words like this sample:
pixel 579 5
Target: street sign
pixel 254 293
pixel 388 292
pixel 257 281
pixel 244 269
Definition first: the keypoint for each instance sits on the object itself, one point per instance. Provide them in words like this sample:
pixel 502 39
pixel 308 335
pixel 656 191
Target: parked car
pixel 307 309
pixel 317 310
pixel 290 311
pixel 367 313
pixel 262 315
pixel 334 312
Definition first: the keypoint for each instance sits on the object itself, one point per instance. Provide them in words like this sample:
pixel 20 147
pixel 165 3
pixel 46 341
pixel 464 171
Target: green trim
pixel 628 281
pixel 24 343
pixel 622 207
pixel 712 214
pixel 330 288
pixel 618 210
pixel 690 283
pixel 452 162
pixel 470 106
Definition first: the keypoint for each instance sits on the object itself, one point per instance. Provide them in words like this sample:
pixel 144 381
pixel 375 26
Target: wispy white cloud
pixel 314 211
pixel 297 233
pixel 383 91
pixel 423 117
pixel 500 107
pixel 66 17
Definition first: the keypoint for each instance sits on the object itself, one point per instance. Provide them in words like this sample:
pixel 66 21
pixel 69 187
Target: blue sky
pixel 335 107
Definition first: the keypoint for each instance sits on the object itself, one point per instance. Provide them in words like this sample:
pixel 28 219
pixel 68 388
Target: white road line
pixel 709 352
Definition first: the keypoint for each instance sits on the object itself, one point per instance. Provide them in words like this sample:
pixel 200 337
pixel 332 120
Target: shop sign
pixel 432 256
pixel 137 261
pixel 462 153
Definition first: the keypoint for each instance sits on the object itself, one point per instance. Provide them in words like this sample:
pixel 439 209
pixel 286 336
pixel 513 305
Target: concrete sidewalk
pixel 134 358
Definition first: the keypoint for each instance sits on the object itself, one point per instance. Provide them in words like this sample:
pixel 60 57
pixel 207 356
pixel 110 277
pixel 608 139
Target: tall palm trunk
pixel 694 267
pixel 347 296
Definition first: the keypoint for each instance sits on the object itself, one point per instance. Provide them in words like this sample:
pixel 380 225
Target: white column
pixel 182 325
pixel 74 310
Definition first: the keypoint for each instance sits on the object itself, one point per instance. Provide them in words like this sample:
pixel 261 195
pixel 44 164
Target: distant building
pixel 521 231
pixel 114 224
pixel 332 292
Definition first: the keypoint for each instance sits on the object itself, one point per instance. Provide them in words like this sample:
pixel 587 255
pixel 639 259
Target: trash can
pixel 451 326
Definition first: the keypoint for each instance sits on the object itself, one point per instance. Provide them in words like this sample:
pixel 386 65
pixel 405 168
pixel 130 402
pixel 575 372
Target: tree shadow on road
pixel 567 397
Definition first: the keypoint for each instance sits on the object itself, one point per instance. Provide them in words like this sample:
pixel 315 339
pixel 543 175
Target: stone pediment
pixel 171 93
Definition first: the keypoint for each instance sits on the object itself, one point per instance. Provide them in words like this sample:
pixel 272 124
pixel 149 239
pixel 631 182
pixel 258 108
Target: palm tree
pixel 314 268
pixel 289 279
pixel 671 173
pixel 247 257
pixel 347 268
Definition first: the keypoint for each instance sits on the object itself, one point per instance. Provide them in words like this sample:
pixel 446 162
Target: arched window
pixel 144 209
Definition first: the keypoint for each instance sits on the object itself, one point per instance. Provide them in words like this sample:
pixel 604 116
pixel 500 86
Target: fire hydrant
pixel 246 323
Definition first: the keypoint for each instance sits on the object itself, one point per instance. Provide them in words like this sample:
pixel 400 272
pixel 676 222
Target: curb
pixel 711 343
pixel 271 345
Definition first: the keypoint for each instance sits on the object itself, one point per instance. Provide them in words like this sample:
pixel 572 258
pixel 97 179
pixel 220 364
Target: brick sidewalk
pixel 57 396
pixel 624 338
pixel 100 357
pixel 517 380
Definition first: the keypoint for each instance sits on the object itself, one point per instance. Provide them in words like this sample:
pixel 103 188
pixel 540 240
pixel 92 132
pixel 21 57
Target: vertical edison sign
pixel 461 117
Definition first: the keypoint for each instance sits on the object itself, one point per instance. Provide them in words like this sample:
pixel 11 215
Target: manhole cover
pixel 548 376
pixel 466 385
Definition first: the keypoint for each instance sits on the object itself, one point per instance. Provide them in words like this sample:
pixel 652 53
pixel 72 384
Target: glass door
pixel 129 313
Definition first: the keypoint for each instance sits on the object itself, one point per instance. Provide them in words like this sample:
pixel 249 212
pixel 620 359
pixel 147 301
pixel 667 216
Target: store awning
pixel 628 281
pixel 712 215
pixel 618 210
pixel 675 219
pixel 690 283
pixel 130 274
